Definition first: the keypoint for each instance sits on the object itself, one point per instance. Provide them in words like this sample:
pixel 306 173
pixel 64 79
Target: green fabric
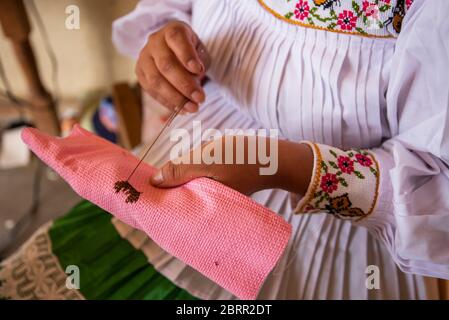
pixel 110 267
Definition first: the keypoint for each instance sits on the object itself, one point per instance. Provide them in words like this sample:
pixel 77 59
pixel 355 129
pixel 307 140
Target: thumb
pixel 174 175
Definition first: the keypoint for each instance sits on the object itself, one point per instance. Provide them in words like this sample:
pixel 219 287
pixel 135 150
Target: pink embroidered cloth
pixel 223 234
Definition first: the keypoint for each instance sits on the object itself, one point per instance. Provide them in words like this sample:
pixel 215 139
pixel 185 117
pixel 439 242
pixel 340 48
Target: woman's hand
pixel 171 65
pixel 293 167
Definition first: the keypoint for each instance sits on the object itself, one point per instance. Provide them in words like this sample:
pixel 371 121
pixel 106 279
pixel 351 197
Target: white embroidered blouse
pixel 365 83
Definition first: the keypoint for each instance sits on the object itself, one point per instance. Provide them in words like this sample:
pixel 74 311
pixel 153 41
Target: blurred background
pixel 86 57
pixel 53 77
pixel 77 71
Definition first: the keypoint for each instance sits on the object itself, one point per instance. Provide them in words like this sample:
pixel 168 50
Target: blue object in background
pixel 105 120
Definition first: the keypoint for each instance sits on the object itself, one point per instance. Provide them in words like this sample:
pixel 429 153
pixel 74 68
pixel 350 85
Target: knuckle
pixel 155 82
pixel 173 171
pixel 152 38
pixel 153 93
pixel 142 80
pixel 186 86
pixel 175 31
pixel 166 64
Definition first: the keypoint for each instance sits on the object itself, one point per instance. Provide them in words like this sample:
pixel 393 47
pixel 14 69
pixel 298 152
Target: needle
pixel 125 186
pixel 167 124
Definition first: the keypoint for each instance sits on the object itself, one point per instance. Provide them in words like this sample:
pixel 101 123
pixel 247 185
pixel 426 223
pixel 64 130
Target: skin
pixel 171 65
pixel 170 68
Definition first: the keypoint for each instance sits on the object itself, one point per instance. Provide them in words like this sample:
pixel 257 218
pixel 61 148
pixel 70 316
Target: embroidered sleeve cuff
pixel 344 183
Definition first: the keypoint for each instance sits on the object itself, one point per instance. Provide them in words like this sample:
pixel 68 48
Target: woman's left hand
pixel 281 164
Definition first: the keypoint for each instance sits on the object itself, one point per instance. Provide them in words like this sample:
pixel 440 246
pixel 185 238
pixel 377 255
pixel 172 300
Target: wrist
pixel 295 166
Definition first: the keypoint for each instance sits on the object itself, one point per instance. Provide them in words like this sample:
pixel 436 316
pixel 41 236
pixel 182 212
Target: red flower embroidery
pixel 302 10
pixel 386 1
pixel 370 9
pixel 408 3
pixel 363 160
pixel 346 164
pixel 347 20
pixel 365 5
pixel 329 182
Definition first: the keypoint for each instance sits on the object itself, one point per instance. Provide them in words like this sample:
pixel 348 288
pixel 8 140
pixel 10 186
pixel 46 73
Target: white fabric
pixel 412 217
pixel 324 87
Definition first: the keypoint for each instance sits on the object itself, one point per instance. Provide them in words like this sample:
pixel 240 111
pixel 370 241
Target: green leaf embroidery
pixel 374 171
pixel 359 174
pixel 332 152
pixel 324 166
pixel 333 165
pixel 343 182
pixel 384 8
pixel 333 15
pixel 318 17
pixel 360 30
pixel 332 26
pixel 356 8
pixel 317 203
pixel 350 154
pixel 317 194
pixel 288 15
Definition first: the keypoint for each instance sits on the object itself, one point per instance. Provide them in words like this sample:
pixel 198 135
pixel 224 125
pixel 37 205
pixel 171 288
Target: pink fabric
pixel 223 234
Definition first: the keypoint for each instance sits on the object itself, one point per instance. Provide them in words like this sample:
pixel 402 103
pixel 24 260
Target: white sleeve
pixel 130 32
pixel 400 191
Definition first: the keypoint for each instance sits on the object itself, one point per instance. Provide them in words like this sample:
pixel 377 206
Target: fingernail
pixel 197 97
pixel 157 179
pixel 194 66
pixel 191 107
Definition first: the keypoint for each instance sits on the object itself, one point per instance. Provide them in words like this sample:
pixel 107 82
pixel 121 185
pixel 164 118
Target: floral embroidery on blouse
pixel 372 18
pixel 344 184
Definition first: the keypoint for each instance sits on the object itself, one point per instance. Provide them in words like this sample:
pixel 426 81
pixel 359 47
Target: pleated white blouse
pixel 315 71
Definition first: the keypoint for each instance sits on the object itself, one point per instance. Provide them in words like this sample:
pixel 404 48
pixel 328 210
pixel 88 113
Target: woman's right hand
pixel 171 65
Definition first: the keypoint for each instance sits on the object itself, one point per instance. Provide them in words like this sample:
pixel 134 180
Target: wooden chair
pixel 128 104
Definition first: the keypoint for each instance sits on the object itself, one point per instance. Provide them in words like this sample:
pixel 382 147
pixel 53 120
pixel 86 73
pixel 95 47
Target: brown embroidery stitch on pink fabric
pixel 132 195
